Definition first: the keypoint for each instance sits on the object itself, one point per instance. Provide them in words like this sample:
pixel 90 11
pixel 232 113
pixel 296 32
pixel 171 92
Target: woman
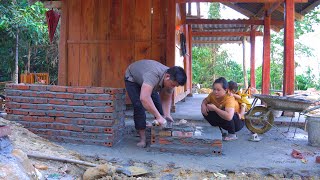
pixel 221 109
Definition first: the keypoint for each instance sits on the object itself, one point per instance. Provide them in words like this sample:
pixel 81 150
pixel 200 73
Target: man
pixel 150 85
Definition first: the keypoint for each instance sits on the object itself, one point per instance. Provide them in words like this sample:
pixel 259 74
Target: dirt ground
pixel 30 143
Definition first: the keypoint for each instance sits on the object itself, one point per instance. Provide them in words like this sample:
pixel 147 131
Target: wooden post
pixel 63 46
pixel 189 9
pixel 245 77
pixel 289 68
pixel 190 56
pixel 171 28
pixel 252 58
pixel 266 55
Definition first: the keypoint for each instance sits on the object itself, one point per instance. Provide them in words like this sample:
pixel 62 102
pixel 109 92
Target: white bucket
pixel 313 128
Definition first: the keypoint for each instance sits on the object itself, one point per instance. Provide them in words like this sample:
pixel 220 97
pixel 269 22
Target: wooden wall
pixel 100 38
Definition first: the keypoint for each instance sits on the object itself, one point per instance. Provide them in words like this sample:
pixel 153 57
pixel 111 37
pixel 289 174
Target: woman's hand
pixel 211 107
pixel 204 109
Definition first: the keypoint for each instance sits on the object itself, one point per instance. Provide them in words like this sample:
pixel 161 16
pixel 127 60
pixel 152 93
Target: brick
pixel 73 115
pixel 63 108
pixel 28 93
pixel 94 115
pixel 57 88
pixel 95 90
pixel 13 117
pixel 83 109
pixel 83 96
pixel 57 101
pixel 46 94
pixel 36 113
pixel 98 103
pixel 103 109
pixel 63 120
pixel 9 86
pixel 75 103
pixel 19 112
pixel 95 129
pixel 38 125
pixel 12 105
pixel 318 159
pixel 73 128
pixel 93 122
pixel 30 118
pixel 24 124
pixel 38 87
pixel 18 99
pixel 111 91
pixel 21 87
pixel 12 92
pixel 109 130
pixel 44 107
pixel 55 113
pixel 76 90
pixel 64 95
pixel 182 134
pixel 103 97
pixel 39 101
pixel 28 106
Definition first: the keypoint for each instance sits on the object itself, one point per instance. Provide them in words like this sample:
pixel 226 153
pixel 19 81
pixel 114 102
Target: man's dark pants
pixel 139 114
pixel 233 126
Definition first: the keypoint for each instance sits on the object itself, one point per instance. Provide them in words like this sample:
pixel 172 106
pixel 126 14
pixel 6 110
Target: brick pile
pixel 185 138
pixel 86 115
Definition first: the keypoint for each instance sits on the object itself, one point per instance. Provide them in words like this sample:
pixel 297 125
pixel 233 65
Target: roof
pixel 252 11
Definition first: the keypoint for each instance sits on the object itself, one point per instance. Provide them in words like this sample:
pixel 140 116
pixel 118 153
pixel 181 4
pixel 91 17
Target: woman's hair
pixel 233 86
pixel 222 81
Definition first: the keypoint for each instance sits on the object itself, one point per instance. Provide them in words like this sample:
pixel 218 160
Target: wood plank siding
pixel 102 37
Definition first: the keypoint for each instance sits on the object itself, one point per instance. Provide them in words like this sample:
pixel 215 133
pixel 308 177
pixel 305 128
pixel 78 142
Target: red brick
pixel 19 112
pixel 94 122
pixel 104 97
pixel 20 99
pixel 83 96
pixel 94 115
pixel 57 88
pixel 28 94
pixel 38 125
pixel 111 91
pixel 28 106
pixel 75 103
pixel 318 159
pixel 64 108
pixel 38 87
pixel 73 128
pixel 55 114
pixel 21 87
pixel 83 109
pixel 44 107
pixel 103 109
pixel 46 94
pixel 37 113
pixel 109 130
pixel 63 120
pixel 164 141
pixel 64 95
pixel 30 118
pixel 12 105
pixel 73 115
pixel 45 119
pixel 13 92
pixel 76 90
pixel 39 101
pixel 57 101
pixel 98 103
pixel 95 90
pixel 9 86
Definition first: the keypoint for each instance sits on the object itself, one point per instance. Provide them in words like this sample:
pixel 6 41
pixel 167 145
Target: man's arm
pixel 146 100
pixel 166 100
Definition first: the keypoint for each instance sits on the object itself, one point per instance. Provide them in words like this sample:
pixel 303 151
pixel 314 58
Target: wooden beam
pixel 189 9
pixel 52 4
pixel 171 33
pixel 273 7
pixel 266 56
pixel 231 21
pixel 238 1
pixel 298 16
pixel 63 47
pixel 215 42
pixel 252 58
pixel 288 80
pixel 310 7
pixel 198 10
pixel 212 33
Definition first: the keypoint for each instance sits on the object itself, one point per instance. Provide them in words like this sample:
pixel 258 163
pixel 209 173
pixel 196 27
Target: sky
pixel 236 52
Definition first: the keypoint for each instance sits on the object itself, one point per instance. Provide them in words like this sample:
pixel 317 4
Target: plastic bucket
pixel 313 128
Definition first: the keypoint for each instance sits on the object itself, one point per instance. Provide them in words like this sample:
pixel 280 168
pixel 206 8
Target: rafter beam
pixel 237 8
pixel 273 7
pixel 238 1
pixel 214 34
pixel 227 21
pixel 214 42
pixel 297 16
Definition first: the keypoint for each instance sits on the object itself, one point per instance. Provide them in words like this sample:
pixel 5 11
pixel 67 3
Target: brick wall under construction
pixel 86 115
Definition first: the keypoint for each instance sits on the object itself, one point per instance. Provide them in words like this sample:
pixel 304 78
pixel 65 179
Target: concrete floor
pixel 271 155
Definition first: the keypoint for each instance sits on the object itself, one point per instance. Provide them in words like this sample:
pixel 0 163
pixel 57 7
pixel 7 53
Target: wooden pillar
pixel 189 9
pixel 289 68
pixel 266 55
pixel 252 58
pixel 190 57
pixel 63 46
pixel 245 77
pixel 171 28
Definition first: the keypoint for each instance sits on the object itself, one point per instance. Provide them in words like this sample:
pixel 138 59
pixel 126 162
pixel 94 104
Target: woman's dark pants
pixel 139 114
pixel 233 126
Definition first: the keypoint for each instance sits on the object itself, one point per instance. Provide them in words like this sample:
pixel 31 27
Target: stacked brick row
pixel 184 139
pixel 86 115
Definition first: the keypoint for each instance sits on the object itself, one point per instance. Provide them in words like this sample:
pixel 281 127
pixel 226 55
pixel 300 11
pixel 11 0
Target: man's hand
pixel 162 121
pixel 169 118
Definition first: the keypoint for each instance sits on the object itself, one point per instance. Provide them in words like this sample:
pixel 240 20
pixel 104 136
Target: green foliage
pixel 306 80
pixel 33 36
pixel 214 11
